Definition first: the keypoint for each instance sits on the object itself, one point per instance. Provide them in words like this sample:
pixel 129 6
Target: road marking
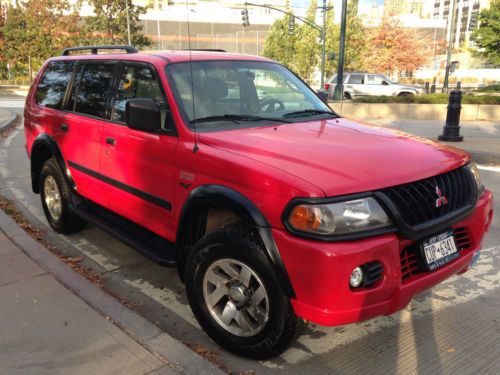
pixel 12 103
pixel 488 168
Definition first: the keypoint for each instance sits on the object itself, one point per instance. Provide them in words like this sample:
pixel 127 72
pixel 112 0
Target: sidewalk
pixel 6 118
pixel 46 329
pixel 53 320
pixel 481 138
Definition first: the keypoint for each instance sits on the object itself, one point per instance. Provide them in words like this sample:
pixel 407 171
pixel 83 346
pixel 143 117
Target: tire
pixel 54 188
pixel 347 96
pixel 261 340
pixel 406 94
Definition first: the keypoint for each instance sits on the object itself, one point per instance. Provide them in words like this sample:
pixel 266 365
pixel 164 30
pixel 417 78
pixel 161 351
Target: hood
pixel 341 156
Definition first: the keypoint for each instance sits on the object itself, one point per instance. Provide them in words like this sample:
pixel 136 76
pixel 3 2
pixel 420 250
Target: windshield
pixel 241 93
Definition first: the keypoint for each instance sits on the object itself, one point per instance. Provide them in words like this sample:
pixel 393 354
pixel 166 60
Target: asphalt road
pixel 453 328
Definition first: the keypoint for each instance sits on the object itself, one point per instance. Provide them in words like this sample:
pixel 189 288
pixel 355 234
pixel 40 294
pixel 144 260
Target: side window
pixel 51 89
pixel 138 82
pixel 356 79
pixel 374 80
pixel 92 91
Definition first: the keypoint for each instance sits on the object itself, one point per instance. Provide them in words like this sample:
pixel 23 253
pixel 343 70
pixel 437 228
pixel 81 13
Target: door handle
pixel 111 141
pixel 64 127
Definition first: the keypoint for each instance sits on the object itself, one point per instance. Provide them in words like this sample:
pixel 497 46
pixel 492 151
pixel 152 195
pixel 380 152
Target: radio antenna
pixel 195 148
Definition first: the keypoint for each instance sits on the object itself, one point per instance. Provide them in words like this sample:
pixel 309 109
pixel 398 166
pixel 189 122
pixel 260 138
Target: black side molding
pixel 120 185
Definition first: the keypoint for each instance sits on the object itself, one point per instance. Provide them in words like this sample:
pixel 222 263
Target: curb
pixel 141 330
pixel 12 119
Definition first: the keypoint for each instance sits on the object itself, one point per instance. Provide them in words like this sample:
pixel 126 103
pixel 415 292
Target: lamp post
pixel 128 23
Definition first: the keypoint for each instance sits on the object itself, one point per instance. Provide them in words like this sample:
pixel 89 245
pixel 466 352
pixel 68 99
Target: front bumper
pixel 320 271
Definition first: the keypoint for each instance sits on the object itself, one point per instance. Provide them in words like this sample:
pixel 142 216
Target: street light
pixel 128 23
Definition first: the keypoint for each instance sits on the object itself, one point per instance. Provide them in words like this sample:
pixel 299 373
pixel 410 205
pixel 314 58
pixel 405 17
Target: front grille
pixel 416 201
pixel 411 264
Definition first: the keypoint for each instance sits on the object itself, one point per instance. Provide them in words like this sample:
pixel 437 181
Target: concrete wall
pixel 397 111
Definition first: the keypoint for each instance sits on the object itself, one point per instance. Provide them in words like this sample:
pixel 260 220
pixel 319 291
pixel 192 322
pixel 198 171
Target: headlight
pixel 477 177
pixel 338 218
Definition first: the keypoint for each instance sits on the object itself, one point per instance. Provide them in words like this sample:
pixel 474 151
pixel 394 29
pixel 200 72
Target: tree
pixel 307 48
pixel 279 45
pixel 487 36
pixel 355 39
pixel 108 25
pixel 35 30
pixel 393 49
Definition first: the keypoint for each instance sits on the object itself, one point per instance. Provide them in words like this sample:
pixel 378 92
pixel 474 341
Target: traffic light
pixel 244 17
pixel 473 22
pixel 291 25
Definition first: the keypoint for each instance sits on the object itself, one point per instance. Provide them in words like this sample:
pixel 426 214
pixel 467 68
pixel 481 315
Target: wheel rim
pixel 52 197
pixel 236 297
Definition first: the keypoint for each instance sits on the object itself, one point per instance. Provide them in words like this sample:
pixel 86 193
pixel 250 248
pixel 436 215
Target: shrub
pixel 429 99
pixel 490 88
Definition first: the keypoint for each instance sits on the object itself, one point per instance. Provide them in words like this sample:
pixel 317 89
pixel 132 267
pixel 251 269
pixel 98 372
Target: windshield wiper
pixel 308 112
pixel 236 118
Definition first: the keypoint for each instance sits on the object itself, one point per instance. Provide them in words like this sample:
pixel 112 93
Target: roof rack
pixel 203 49
pixel 94 49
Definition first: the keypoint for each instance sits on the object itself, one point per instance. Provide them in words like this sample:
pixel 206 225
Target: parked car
pixel 360 84
pixel 273 209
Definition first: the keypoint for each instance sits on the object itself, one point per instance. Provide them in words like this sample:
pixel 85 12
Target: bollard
pixel 433 88
pixel 426 87
pixel 451 131
pixel 459 85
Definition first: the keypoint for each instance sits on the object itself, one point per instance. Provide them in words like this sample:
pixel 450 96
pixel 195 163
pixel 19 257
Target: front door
pixel 140 166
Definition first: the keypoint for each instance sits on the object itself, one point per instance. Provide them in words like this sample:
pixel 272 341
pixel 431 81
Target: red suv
pixel 230 168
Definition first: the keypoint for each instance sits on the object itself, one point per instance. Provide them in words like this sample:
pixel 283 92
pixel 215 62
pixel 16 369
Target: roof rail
pixel 204 49
pixel 94 49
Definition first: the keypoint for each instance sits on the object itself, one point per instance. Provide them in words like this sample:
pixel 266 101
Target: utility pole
pixel 338 93
pixel 323 46
pixel 451 19
pixel 128 23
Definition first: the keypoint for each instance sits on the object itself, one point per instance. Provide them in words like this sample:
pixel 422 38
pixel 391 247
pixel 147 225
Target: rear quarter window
pixel 52 86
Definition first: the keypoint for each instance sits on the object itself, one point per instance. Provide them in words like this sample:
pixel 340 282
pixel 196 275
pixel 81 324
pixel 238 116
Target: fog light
pixel 356 277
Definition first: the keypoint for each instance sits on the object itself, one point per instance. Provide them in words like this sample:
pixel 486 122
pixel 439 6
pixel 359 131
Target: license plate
pixel 439 250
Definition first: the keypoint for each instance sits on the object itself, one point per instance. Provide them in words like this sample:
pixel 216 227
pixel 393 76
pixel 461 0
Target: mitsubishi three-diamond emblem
pixel 441 200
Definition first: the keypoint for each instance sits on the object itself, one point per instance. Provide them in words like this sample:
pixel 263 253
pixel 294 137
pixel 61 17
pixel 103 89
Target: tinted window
pixel 137 82
pixel 374 80
pixel 334 79
pixel 356 78
pixel 50 92
pixel 92 92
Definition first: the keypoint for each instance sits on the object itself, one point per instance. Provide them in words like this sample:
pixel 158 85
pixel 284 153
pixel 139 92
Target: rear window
pixel 356 79
pixel 93 89
pixel 51 89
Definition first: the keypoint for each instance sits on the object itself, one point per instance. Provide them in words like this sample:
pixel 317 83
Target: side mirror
pixel 323 95
pixel 142 114
pixel 385 83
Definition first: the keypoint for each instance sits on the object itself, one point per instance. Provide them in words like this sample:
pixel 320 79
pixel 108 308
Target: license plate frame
pixel 439 250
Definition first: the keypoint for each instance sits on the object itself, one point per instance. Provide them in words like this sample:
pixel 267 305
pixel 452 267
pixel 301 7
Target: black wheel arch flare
pixel 43 146
pixel 205 195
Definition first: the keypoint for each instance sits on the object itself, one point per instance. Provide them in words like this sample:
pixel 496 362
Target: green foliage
pixel 490 88
pixel 279 45
pixel 109 24
pixel 428 99
pixel 355 40
pixel 487 36
pixel 307 48
pixel 37 29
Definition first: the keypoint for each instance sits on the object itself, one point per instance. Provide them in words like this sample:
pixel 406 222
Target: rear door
pixel 355 84
pixel 86 111
pixel 140 166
